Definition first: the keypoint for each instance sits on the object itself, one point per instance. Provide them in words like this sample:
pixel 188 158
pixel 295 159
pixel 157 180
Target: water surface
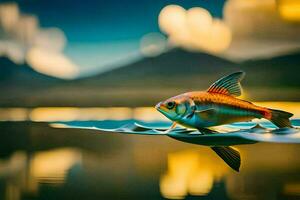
pixel 41 162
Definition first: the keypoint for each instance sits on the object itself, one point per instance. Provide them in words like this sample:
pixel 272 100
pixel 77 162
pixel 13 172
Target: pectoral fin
pixel 208 114
pixel 230 156
pixel 171 128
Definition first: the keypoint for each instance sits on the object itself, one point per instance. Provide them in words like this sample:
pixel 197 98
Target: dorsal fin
pixel 229 85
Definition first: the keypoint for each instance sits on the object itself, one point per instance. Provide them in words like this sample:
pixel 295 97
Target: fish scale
pixel 227 103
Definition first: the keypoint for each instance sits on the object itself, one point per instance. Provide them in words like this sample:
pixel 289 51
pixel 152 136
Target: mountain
pixel 20 83
pixel 174 68
pixel 138 84
pixel 150 80
pixel 278 72
pixel 183 69
pixel 22 76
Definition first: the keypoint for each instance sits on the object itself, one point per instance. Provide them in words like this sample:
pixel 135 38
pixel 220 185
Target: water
pixel 41 162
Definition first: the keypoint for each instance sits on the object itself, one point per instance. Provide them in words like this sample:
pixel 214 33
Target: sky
pixel 74 38
pixel 102 21
pixel 101 33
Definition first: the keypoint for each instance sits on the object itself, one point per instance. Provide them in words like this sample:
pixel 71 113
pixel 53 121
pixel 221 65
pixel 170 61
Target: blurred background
pixel 135 53
pixel 114 60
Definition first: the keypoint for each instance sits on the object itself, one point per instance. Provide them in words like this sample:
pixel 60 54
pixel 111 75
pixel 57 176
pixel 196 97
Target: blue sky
pixel 98 21
pixel 105 33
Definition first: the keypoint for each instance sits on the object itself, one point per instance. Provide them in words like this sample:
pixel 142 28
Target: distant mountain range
pixel 168 69
pixel 281 71
pixel 179 68
pixel 22 76
pixel 149 80
pixel 19 83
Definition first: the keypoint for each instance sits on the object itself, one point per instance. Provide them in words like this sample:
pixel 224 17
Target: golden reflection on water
pixel 196 171
pixel 72 114
pixel 189 172
pixel 14 168
pixel 52 166
pixel 48 114
pixel 25 172
pixel 289 10
pixel 292 188
pixel 14 114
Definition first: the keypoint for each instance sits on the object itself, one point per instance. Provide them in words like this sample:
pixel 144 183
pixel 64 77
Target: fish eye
pixel 170 104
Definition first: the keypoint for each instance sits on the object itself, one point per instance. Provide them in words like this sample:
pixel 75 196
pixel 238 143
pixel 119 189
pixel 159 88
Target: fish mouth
pixel 160 107
pixel 157 107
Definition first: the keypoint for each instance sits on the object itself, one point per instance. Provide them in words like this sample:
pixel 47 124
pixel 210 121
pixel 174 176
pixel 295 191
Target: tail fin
pixel 230 156
pixel 281 118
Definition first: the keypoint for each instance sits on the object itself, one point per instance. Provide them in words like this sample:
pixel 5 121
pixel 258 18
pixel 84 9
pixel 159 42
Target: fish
pixel 219 105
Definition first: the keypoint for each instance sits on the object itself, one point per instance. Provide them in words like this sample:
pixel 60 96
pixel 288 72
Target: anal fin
pixel 229 155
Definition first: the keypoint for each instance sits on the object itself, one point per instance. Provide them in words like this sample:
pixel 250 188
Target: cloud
pixel 23 40
pixel 194 29
pixel 250 29
pixel 52 39
pixel 153 44
pixel 261 28
pixel 44 62
pixel 12 49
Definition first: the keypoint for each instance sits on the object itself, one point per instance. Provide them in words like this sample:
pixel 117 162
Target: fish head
pixel 174 108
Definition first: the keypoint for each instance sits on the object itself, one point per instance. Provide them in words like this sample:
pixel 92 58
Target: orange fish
pixel 216 106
